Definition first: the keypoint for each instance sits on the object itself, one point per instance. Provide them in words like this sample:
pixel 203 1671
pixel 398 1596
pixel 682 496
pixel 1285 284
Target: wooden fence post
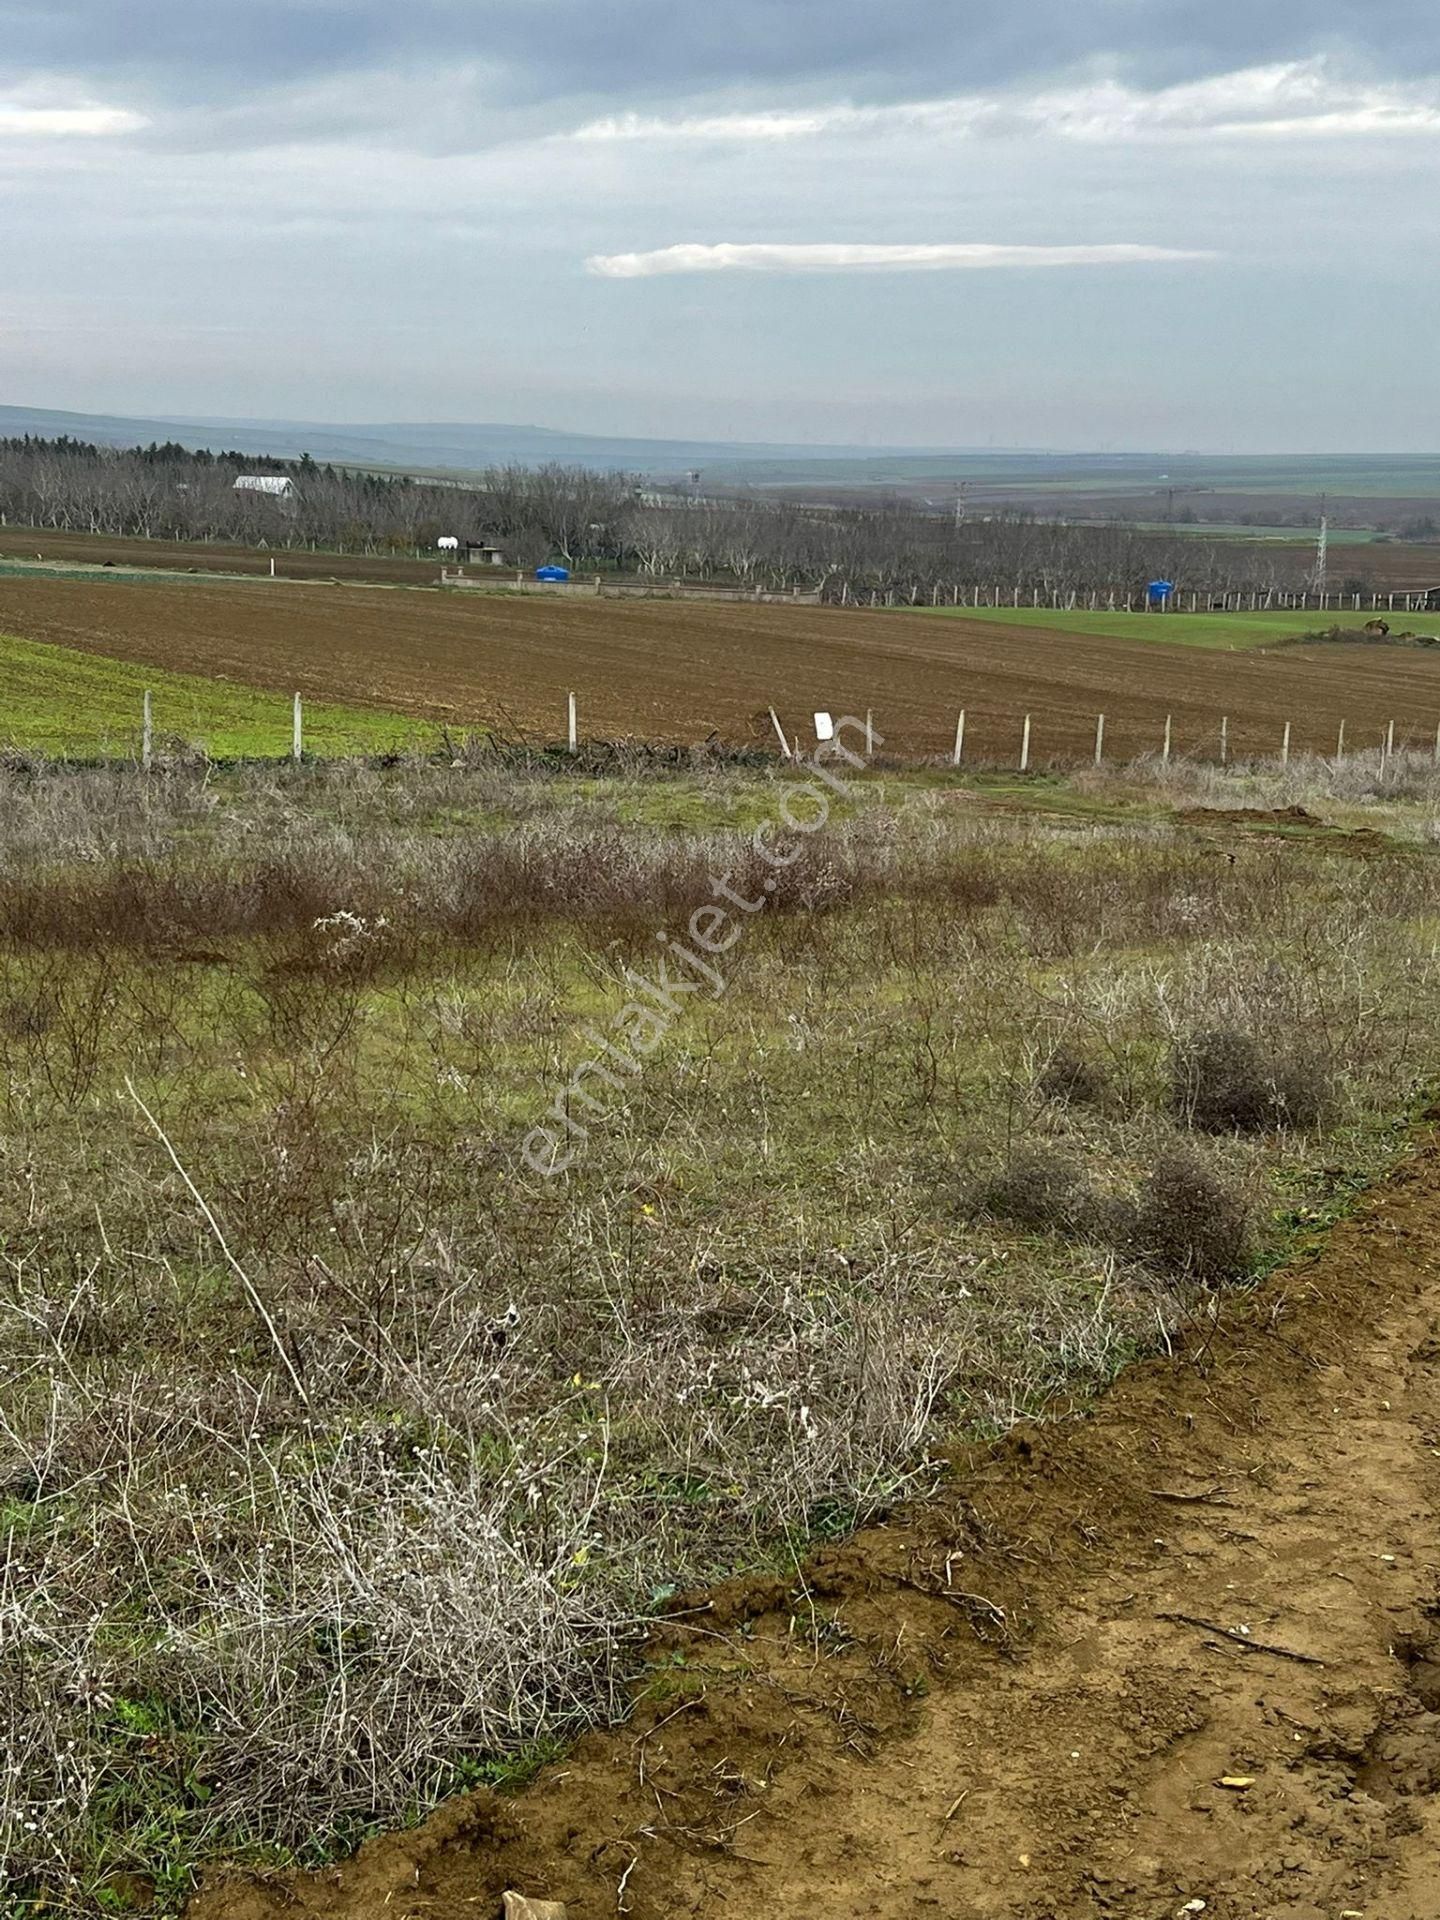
pixel 1285 746
pixel 780 733
pixel 959 753
pixel 1340 742
pixel 1225 741
pixel 869 734
pixel 1165 750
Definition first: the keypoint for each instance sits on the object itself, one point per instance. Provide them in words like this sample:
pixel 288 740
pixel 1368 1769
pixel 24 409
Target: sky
pixel 1090 224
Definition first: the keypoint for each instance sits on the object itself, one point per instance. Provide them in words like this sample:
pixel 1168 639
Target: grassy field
pixel 56 700
pixel 350 1434
pixel 1223 632
pixel 1237 530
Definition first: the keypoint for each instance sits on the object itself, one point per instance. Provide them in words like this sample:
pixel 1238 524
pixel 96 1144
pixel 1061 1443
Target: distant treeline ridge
pixel 604 522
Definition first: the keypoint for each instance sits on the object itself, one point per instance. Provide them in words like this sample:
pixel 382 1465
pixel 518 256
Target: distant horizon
pixel 218 422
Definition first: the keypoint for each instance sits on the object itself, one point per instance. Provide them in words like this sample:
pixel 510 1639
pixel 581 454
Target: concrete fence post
pixel 1225 741
pixel 1285 746
pixel 959 753
pixel 780 733
pixel 297 730
pixel 1169 735
pixel 573 719
pixel 147 735
pixel 1025 746
pixel 1099 738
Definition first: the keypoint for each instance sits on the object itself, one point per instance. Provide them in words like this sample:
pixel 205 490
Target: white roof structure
pixel 279 485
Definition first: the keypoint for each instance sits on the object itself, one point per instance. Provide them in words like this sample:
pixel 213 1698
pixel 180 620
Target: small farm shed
pixel 480 553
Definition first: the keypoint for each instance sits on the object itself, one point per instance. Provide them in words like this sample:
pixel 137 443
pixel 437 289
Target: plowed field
pixel 664 671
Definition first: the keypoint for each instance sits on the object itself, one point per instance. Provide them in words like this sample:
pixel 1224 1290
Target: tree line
pixel 608 522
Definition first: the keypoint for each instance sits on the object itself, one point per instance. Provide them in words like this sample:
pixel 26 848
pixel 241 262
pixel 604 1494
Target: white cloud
pixel 1296 99
pixel 840 257
pixel 770 125
pixel 782 124
pixel 75 121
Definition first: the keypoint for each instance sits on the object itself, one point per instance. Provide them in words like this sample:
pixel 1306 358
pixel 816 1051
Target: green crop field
pixel 1289 536
pixel 59 700
pixel 1216 631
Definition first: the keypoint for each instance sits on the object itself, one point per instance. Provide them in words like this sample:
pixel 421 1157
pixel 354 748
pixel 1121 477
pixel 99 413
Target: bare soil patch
pixel 668 672
pixel 1251 816
pixel 1184 1649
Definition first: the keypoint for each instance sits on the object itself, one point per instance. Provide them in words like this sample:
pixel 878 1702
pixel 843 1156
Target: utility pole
pixel 961 505
pixel 1322 548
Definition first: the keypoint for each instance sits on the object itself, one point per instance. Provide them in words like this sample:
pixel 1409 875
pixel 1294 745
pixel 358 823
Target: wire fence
pixel 984 739
pixel 1126 599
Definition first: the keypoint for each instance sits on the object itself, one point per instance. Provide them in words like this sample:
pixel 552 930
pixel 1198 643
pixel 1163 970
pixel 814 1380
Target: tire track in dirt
pixel 991 1707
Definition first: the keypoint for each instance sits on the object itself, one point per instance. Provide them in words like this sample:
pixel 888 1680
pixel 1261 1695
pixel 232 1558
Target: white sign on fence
pixel 824 727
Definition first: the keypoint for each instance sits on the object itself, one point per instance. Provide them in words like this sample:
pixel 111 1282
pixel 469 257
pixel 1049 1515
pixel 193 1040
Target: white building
pixel 276 486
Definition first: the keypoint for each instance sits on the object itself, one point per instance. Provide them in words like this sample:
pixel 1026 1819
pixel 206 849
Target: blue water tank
pixel 552 573
pixel 1159 591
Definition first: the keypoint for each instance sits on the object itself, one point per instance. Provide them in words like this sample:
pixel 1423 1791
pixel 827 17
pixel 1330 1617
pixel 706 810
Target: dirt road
pixel 1181 1651
pixel 219 556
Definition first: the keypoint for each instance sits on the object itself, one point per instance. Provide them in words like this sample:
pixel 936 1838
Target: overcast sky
pixel 1082 223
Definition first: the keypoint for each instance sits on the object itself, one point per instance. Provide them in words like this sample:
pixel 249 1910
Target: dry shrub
pixel 1229 1082
pixel 1073 1080
pixel 970 882
pixel 1192 1221
pixel 1046 1192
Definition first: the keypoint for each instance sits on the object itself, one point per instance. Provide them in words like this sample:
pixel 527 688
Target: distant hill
pixel 422 447
pixel 1139 485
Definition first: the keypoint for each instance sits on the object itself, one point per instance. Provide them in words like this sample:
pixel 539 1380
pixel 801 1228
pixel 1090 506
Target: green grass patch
pixel 1237 530
pixel 57 700
pixel 1216 631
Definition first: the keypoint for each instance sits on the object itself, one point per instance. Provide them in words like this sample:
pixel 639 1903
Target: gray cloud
pixel 353 208
pixel 177 52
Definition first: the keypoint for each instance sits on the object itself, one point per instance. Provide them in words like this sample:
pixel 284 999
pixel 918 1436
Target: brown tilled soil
pixel 667 672
pixel 1182 1650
